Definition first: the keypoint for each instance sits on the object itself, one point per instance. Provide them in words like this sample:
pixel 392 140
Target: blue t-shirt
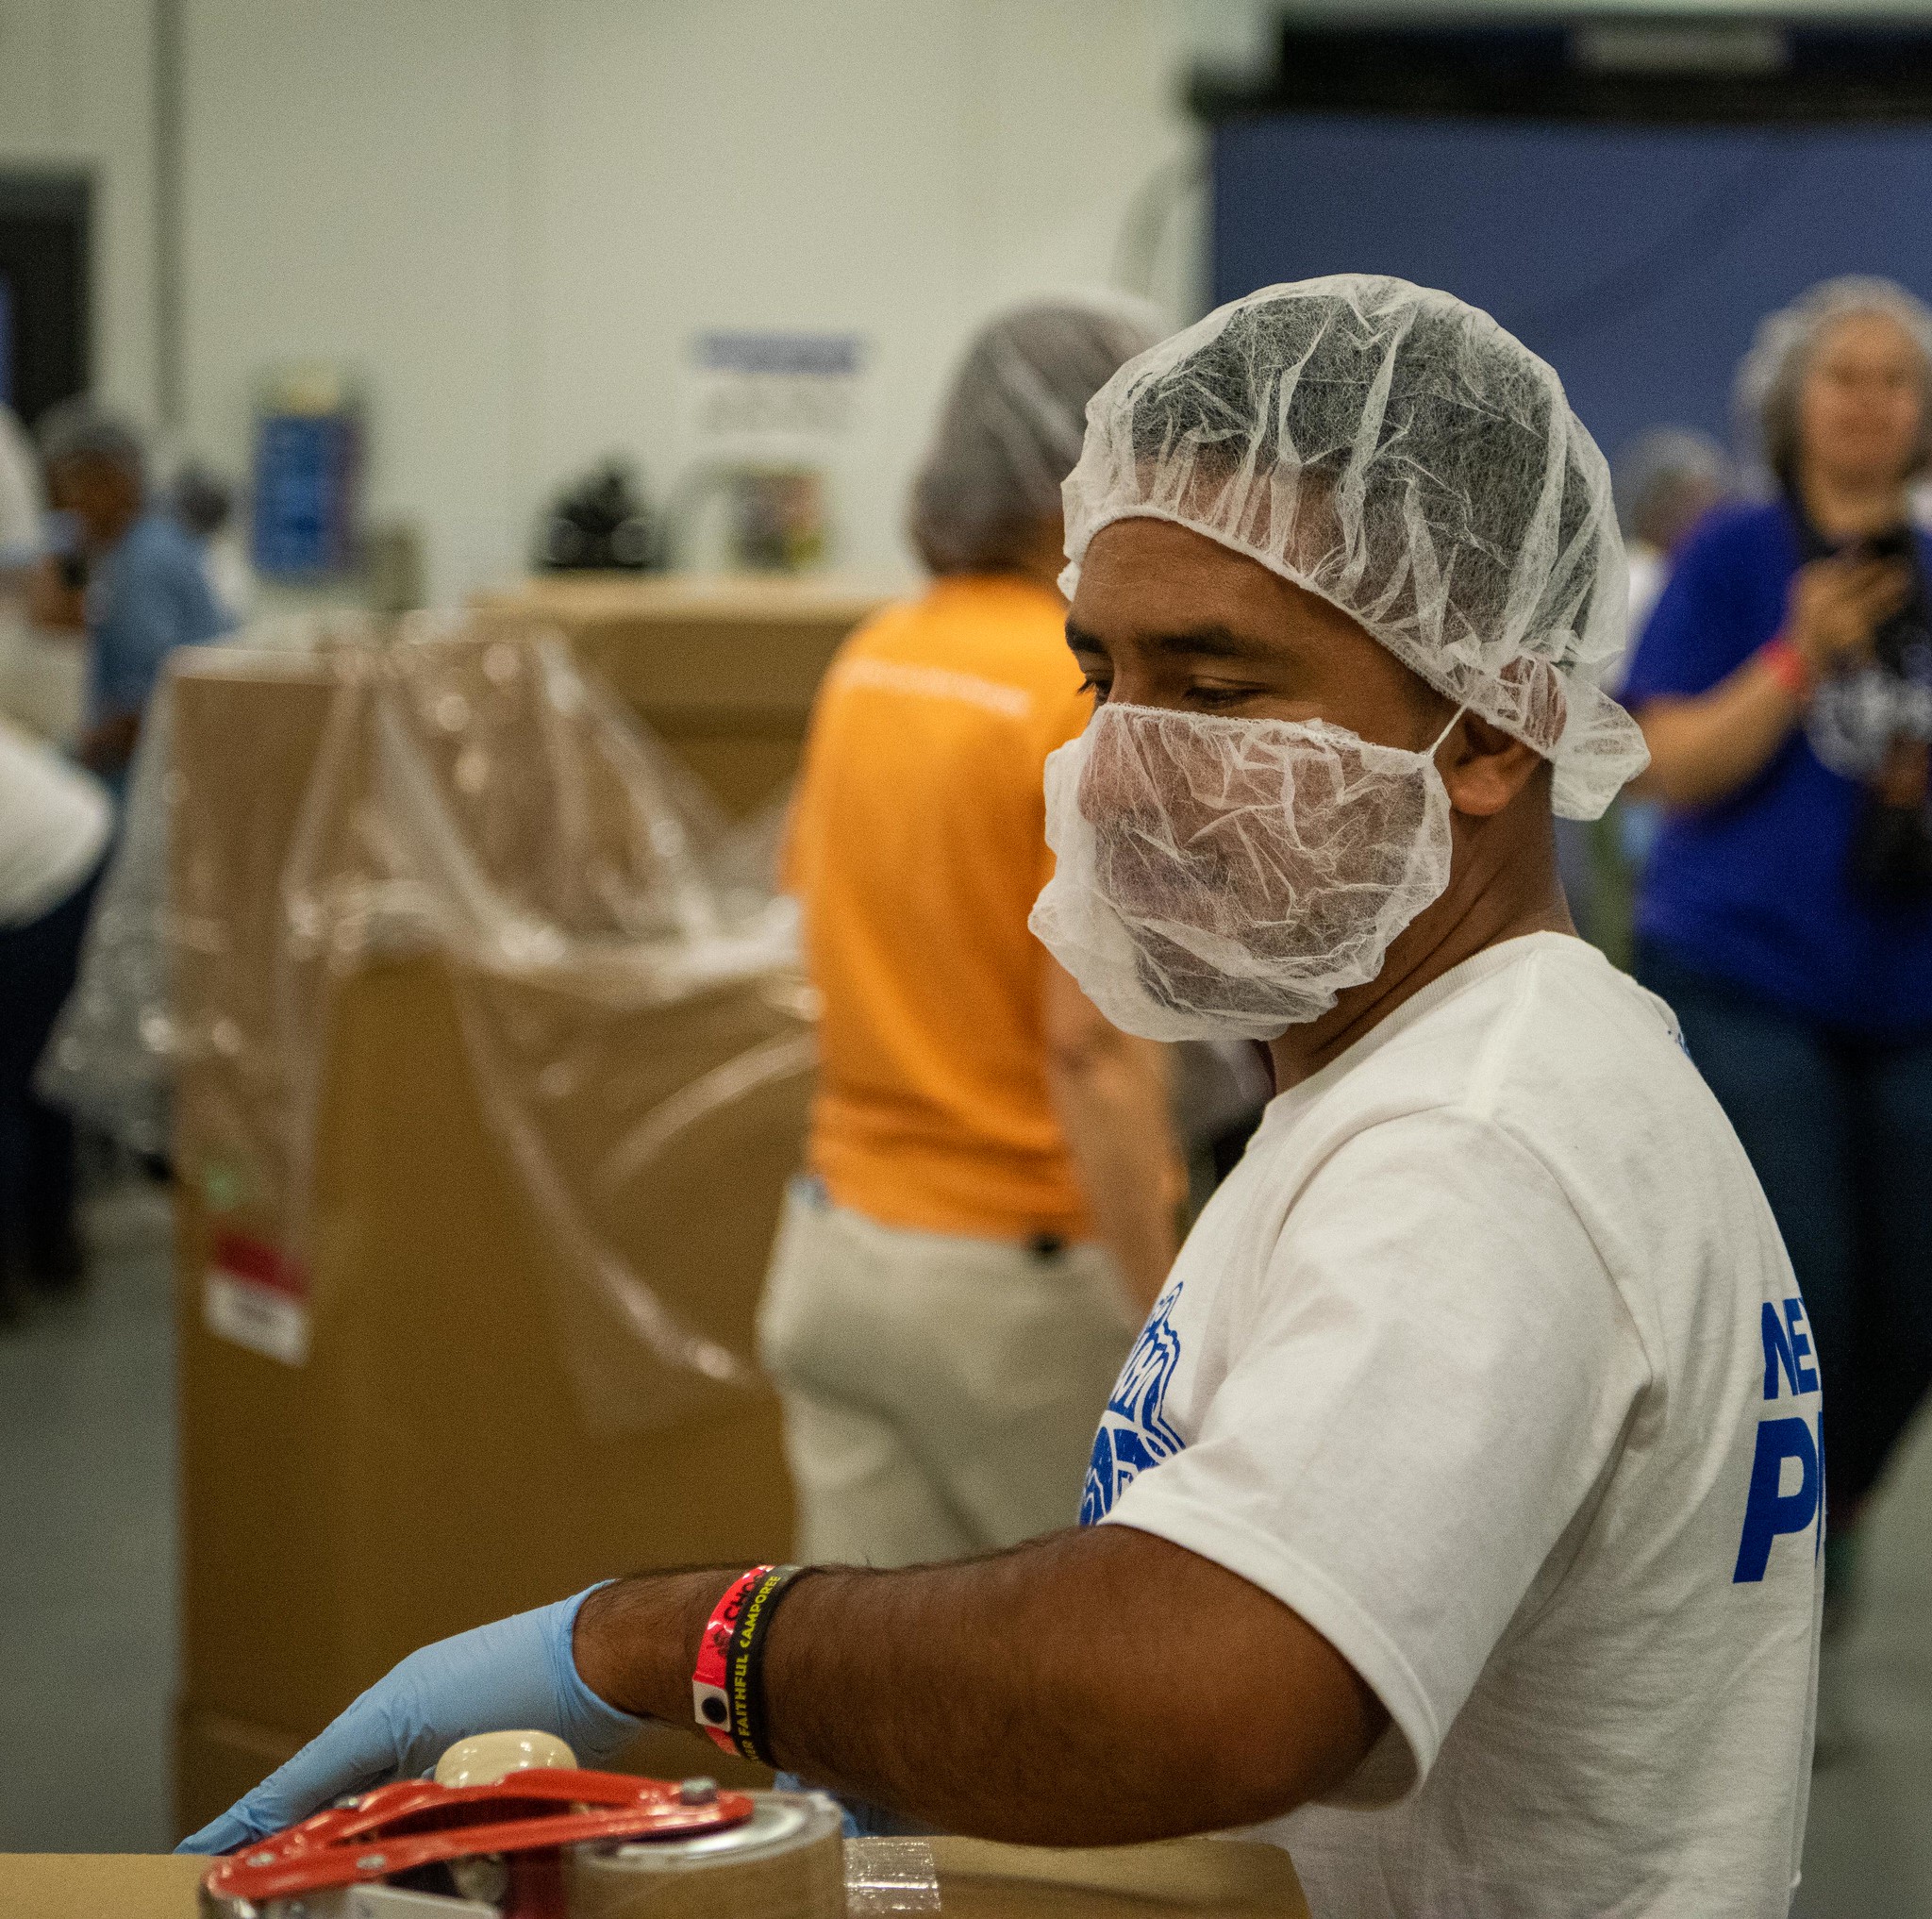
pixel 1757 889
pixel 147 596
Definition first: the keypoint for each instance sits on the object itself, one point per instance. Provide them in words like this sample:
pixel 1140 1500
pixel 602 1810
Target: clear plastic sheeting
pixel 107 1060
pixel 885 1876
pixel 623 984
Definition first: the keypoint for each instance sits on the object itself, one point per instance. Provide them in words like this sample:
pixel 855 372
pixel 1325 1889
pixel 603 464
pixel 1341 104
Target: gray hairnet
pixel 1398 452
pixel 77 430
pixel 1653 468
pixel 1765 398
pixel 1009 431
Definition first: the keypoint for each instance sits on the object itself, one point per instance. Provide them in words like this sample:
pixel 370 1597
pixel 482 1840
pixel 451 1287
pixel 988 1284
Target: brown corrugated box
pixel 724 670
pixel 430 1463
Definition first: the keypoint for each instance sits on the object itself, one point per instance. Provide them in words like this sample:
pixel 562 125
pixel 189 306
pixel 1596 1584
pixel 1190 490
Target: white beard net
pixel 1398 452
pixel 1223 875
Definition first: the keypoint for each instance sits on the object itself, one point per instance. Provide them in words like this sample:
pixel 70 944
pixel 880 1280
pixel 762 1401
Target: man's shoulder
pixel 1560 1088
pixel 1564 1033
pixel 1588 1073
pixel 1522 1010
pixel 1544 1047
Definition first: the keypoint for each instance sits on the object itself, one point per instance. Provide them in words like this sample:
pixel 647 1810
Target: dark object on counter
pixel 202 500
pixel 599 523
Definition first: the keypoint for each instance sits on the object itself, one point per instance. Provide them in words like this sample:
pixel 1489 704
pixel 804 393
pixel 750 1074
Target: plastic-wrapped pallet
pixel 487 1064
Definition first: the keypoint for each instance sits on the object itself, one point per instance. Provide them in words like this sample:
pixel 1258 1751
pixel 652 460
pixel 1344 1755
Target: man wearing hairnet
pixel 989 1205
pixel 145 590
pixel 1454 1521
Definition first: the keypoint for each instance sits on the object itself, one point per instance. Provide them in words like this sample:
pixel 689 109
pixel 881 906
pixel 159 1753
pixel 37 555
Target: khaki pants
pixel 940 1392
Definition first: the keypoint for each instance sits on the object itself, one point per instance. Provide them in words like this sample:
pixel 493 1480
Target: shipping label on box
pixel 257 1295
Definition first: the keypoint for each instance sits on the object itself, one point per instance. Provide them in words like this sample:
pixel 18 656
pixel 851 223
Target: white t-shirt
pixel 1488 1362
pixel 54 823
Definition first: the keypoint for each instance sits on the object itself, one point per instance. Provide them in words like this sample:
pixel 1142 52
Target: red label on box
pixel 257 1295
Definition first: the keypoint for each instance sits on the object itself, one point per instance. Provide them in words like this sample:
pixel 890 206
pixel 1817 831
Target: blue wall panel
pixel 1638 260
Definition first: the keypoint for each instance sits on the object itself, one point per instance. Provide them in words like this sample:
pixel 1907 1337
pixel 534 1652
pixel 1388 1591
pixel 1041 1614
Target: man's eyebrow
pixel 1211 641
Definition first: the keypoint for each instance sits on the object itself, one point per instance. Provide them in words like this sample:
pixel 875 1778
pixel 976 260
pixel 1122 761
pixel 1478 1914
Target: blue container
pixel 307 475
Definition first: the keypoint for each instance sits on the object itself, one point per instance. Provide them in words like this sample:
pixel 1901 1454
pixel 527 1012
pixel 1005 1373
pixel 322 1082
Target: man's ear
pixel 1485 768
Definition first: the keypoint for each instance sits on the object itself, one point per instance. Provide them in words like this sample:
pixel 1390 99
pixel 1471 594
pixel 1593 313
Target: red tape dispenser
pixel 497 1846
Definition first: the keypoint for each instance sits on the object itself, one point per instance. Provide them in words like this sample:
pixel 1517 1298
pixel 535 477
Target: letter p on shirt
pixel 1786 1491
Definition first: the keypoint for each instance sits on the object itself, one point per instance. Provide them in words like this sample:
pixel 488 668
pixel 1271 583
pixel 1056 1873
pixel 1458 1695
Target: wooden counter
pixel 1183 1879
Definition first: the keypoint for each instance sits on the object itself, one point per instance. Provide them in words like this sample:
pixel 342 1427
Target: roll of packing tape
pixel 787 1862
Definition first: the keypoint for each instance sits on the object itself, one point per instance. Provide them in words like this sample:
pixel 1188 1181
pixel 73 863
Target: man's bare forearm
pixel 1089 1688
pixel 1112 1103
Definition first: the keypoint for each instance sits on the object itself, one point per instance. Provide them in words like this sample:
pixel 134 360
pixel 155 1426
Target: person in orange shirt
pixel 988 1205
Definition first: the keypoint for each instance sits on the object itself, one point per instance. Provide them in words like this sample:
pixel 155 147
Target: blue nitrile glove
pixel 516 1674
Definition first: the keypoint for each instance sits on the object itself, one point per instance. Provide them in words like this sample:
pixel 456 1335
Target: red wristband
pixel 1788 666
pixel 725 1694
pixel 710 1698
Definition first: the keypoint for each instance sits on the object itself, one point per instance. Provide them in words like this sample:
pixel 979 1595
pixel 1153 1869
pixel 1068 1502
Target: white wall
pixel 511 216
pixel 77 94
pixel 348 195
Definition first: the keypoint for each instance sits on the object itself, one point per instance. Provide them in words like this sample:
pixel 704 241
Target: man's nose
pixel 1114 783
pixel 1145 770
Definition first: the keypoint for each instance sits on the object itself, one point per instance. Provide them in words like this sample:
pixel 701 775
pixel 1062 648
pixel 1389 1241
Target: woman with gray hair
pixel 987 1206
pixel 1785 688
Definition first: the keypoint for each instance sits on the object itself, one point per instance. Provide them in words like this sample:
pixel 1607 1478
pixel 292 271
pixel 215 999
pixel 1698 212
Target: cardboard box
pixel 723 670
pixel 104 1885
pixel 404 1408
pixel 1170 1879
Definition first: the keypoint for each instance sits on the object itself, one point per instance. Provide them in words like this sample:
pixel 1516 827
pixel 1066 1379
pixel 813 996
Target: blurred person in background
pixel 134 580
pixel 21 544
pixel 53 828
pixel 1784 684
pixel 989 1207
pixel 39 674
pixel 1666 479
pixel 20 501
pixel 204 503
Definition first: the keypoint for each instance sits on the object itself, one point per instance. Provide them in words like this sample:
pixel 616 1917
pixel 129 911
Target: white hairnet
pixel 1398 452
pixel 78 429
pixel 1011 429
pixel 1765 398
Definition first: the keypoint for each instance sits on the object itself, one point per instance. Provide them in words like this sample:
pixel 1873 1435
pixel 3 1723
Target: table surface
pixel 1188 1878
pixel 107 1885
